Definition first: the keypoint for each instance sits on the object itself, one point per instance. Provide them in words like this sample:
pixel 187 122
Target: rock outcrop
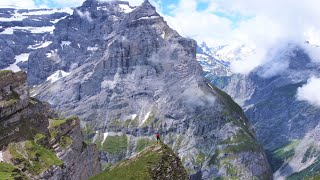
pixel 131 76
pixel 34 142
pixel 19 114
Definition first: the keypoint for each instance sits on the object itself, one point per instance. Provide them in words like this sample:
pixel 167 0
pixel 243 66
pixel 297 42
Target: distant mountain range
pixel 217 60
pixel 285 126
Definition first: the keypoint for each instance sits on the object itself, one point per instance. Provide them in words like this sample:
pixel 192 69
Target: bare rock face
pixel 35 142
pixel 81 161
pixel 132 76
pixel 14 93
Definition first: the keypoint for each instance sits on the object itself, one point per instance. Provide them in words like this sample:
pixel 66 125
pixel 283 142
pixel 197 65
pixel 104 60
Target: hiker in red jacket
pixel 158 138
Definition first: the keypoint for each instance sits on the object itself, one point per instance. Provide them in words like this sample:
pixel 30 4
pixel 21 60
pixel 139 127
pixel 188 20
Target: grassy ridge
pixel 154 162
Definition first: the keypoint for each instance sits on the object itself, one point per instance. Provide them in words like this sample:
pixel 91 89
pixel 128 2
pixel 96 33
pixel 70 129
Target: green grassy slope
pixel 155 162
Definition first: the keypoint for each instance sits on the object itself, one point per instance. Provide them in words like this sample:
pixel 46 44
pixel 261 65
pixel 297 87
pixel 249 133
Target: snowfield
pixel 20 58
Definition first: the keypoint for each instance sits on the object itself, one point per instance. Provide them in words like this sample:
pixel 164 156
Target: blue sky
pixel 182 15
pixel 47 3
pixel 167 7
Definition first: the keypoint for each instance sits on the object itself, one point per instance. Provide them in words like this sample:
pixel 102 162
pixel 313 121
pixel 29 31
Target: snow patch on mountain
pixel 133 116
pixel 57 20
pixel 40 45
pixel 19 15
pixel 94 48
pixel 49 11
pixel 20 58
pixel 65 43
pixel 57 76
pixel 49 55
pixel 103 8
pixel 149 17
pixel 105 135
pixel 145 118
pixel 34 30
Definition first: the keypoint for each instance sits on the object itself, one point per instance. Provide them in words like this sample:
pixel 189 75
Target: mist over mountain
pixel 280 98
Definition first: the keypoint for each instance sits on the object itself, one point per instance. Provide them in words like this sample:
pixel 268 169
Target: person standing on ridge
pixel 158 138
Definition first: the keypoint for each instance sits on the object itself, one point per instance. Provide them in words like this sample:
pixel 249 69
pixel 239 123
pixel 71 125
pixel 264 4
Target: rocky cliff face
pixel 270 102
pixel 34 142
pixel 17 110
pixel 132 76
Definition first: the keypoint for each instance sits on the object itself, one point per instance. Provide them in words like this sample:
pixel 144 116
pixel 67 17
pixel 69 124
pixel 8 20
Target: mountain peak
pixel 146 2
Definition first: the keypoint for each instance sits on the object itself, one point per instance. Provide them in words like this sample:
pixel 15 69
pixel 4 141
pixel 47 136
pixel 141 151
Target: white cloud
pixel 18 3
pixel 270 22
pixel 274 21
pixel 202 26
pixel 310 92
pixel 246 65
pixel 68 3
pixel 85 15
pixel 195 97
pixel 313 52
